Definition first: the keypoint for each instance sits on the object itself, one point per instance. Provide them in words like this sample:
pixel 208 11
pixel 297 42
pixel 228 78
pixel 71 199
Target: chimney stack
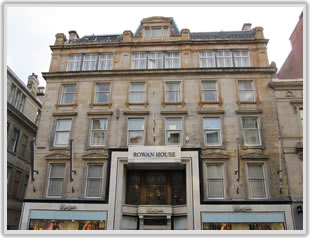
pixel 73 35
pixel 246 27
pixel 33 83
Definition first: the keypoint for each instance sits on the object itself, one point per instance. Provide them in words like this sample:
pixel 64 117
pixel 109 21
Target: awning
pixel 257 217
pixel 68 215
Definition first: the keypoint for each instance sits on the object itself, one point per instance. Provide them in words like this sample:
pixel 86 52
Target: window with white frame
pixel 156 32
pixel 12 93
pixel 207 59
pixel 67 94
pixel 105 61
pixel 137 92
pixel 102 93
pixel 56 180
pixel 139 60
pixel 94 180
pixel 155 60
pixel 173 128
pixel 224 58
pixel 215 181
pixel 246 91
pixel 89 62
pixel 21 103
pixel 24 144
pixel 98 132
pixel 209 91
pixel 256 181
pixel 62 132
pixel 172 60
pixel 251 131
pixel 173 92
pixel 14 140
pixel 16 99
pixel 146 32
pixel 241 58
pixel 135 131
pixel 74 62
pixel 212 131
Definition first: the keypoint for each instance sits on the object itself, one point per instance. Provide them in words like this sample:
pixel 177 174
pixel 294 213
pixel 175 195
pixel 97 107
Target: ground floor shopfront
pixel 157 190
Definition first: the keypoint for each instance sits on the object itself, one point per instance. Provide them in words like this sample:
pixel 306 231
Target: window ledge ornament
pixel 136 113
pixel 214 156
pixel 211 111
pixel 255 156
pixel 249 111
pixel 173 112
pixel 101 113
pixel 58 156
pixel 65 114
pixel 96 156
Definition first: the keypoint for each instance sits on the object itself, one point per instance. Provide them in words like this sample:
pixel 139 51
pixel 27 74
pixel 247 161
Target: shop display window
pixel 243 226
pixel 39 224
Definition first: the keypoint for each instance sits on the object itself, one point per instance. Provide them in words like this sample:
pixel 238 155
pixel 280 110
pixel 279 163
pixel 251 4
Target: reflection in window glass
pixel 135 131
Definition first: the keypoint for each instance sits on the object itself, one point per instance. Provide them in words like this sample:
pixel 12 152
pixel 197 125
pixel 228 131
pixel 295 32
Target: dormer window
pixel 155 32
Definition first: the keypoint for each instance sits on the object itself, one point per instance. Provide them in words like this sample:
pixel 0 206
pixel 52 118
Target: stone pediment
pixel 96 155
pixel 58 155
pixel 254 156
pixel 214 156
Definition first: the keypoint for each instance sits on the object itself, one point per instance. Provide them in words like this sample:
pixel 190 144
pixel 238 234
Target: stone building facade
pixel 288 89
pixel 23 109
pixel 160 129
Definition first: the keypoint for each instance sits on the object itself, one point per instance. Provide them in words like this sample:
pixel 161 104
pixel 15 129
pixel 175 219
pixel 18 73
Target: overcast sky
pixel 32 29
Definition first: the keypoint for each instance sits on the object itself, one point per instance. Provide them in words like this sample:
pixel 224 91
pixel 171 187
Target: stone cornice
pixel 182 71
pixel 157 43
pixel 286 84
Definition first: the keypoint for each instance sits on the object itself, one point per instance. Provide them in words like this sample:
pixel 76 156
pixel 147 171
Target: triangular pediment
pixel 96 155
pixel 58 155
pixel 254 155
pixel 214 156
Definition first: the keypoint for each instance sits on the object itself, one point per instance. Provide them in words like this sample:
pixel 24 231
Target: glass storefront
pixel 243 226
pixel 36 224
pixel 67 220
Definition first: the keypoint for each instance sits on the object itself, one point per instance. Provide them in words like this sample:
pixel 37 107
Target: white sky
pixel 31 29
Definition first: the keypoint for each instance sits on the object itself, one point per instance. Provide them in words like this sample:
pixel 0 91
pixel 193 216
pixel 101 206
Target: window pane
pixel 67 98
pixel 57 171
pixel 55 188
pixel 173 124
pixel 137 86
pixel 156 32
pixel 136 124
pixel 255 171
pixel 173 86
pixel 257 188
pixel 211 123
pixel 95 171
pixel 98 138
pixel 251 137
pixel 246 96
pixel 135 137
pixel 100 124
pixel 93 187
pixel 174 137
pixel 250 123
pixel 214 171
pixel 215 188
pixel 69 88
pixel 209 85
pixel 103 87
pixel 212 138
pixel 62 138
pixel 63 125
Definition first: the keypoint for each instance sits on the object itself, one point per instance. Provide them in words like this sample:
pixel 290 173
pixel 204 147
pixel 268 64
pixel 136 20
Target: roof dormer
pixel 157 28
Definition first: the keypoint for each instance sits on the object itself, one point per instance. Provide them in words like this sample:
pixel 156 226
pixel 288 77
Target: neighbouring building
pixel 160 129
pixel 289 95
pixel 23 110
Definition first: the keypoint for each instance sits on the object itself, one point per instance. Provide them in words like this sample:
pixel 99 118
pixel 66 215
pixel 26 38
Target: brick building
pixel 160 129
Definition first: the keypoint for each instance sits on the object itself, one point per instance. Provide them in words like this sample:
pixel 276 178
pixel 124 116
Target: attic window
pixel 156 32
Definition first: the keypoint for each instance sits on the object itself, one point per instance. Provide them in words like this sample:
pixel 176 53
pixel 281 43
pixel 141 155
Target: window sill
pixel 103 147
pixel 207 147
pixel 245 147
pixel 247 102
pixel 100 104
pixel 207 103
pixel 137 104
pixel 59 148
pixel 65 105
pixel 173 103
